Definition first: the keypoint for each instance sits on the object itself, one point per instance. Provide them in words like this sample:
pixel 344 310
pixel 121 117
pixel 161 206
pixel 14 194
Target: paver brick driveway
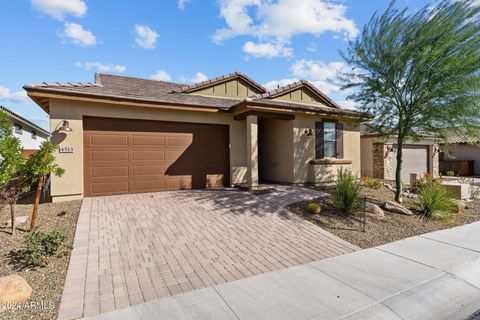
pixel 134 248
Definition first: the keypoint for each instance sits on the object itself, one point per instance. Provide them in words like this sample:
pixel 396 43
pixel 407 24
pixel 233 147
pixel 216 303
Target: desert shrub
pixel 371 182
pixel 314 208
pixel 38 245
pixel 345 194
pixel 435 202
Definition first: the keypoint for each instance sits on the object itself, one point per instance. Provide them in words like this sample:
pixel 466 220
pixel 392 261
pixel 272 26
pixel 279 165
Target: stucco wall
pixel 26 140
pixel 464 152
pixel 276 150
pixel 231 89
pixel 366 146
pixel 304 150
pixel 301 95
pixel 70 186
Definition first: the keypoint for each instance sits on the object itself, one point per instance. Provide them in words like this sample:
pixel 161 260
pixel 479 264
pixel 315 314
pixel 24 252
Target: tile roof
pixel 220 79
pixel 138 90
pixel 22 119
pixel 293 86
pixel 462 136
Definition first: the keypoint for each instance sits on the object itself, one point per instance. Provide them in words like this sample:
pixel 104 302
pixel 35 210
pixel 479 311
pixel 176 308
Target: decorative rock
pixel 396 208
pixel 13 289
pixel 460 206
pixel 18 220
pixel 372 211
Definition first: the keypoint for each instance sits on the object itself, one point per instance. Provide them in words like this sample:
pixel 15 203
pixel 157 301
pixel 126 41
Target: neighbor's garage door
pixel 131 156
pixel 415 160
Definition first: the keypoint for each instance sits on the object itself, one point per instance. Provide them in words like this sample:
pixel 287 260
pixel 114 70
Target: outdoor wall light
pixel 308 132
pixel 389 149
pixel 436 150
pixel 65 127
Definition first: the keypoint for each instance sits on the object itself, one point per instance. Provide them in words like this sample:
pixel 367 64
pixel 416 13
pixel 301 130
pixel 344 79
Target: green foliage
pixel 345 195
pixel 38 245
pixel 417 72
pixel 42 162
pixel 371 182
pixel 450 173
pixel 435 202
pixel 314 208
pixel 10 151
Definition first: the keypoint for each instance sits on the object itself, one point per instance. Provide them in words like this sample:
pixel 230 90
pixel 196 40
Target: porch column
pixel 252 151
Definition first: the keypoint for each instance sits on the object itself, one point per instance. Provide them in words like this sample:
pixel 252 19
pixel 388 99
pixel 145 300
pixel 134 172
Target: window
pixel 328 140
pixel 34 134
pixel 18 128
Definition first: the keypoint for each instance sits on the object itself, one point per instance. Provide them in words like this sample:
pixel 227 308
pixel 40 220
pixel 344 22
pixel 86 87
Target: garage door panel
pixel 180 141
pixel 138 171
pixel 180 183
pixel 150 155
pixel 107 188
pixel 148 185
pixel 97 172
pixel 171 156
pixel 156 141
pixel 109 155
pixel 108 140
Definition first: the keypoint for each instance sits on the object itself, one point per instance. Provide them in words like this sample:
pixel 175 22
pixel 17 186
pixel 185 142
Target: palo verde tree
pixel 417 72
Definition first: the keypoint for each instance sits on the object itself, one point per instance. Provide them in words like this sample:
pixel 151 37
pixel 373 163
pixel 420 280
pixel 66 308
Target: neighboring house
pixel 133 135
pixel 30 135
pixel 460 153
pixel 379 156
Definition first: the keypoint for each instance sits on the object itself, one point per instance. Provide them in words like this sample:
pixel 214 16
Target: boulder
pixel 372 211
pixel 18 220
pixel 13 289
pixel 460 206
pixel 395 207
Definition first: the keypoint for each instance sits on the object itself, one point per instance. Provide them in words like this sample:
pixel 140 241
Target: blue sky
pixel 274 42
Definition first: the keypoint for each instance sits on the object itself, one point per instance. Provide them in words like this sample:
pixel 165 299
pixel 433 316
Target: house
pixel 460 153
pixel 132 135
pixel 379 156
pixel 30 135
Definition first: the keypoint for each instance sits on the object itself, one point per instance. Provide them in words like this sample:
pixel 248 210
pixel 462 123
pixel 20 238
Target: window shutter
pixel 339 136
pixel 319 140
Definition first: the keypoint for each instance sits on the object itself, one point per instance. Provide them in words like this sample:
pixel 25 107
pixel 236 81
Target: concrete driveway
pixel 135 248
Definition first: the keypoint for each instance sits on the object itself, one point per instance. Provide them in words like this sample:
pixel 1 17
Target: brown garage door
pixel 132 156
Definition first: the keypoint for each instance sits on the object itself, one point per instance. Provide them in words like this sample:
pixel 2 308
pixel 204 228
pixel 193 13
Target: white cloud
pixel 199 77
pixel 16 97
pixel 319 73
pixel 274 84
pixel 277 21
pixel 100 67
pixel 78 35
pixel 161 75
pixel 58 9
pixel 182 3
pixel 145 36
pixel 268 50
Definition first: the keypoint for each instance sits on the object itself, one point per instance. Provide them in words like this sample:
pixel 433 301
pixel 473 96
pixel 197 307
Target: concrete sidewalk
pixel 433 276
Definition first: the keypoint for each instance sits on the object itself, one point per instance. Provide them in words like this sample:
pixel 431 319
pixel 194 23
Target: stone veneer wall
pixel 382 161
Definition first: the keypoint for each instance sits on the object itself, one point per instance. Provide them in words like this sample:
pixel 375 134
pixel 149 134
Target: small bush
pixel 371 182
pixel 345 194
pixel 450 173
pixel 435 202
pixel 314 208
pixel 38 245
